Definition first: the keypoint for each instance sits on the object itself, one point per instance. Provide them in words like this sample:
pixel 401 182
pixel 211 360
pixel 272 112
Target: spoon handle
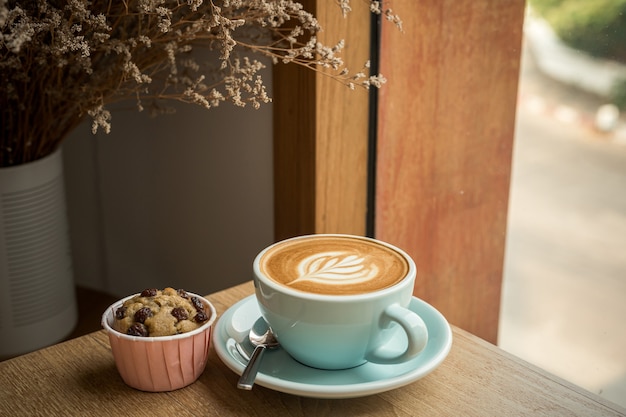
pixel 246 381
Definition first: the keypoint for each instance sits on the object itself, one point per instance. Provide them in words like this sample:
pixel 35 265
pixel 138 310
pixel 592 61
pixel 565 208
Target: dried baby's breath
pixel 64 60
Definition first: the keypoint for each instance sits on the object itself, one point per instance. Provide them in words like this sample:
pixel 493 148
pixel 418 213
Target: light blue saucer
pixel 280 372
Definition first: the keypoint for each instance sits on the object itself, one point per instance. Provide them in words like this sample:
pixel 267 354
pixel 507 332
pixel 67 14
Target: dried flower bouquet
pixel 64 60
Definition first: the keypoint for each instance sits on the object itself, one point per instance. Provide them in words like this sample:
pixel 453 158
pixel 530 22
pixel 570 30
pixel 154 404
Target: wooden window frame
pixel 445 136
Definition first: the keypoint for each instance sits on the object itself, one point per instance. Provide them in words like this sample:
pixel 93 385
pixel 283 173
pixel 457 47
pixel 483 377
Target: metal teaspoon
pixel 260 341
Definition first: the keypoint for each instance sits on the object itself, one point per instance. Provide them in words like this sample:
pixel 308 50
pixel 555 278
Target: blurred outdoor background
pixel 564 293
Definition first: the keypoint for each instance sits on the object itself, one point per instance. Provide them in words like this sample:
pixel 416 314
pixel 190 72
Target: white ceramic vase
pixel 37 296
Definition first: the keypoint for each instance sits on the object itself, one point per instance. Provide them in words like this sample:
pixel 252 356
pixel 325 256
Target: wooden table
pixel 79 378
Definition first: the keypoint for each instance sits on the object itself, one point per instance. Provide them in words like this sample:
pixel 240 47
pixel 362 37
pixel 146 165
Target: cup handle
pixel 415 329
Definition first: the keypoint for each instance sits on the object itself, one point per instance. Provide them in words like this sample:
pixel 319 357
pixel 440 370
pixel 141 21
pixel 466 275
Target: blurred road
pixel 564 292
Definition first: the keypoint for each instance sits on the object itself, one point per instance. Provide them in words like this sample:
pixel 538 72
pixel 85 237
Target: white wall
pixel 183 200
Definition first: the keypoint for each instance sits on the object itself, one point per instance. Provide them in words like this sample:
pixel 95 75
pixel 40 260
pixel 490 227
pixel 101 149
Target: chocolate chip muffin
pixel 160 313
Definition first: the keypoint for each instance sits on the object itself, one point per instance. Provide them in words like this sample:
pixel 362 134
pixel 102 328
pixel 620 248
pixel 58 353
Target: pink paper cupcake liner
pixel 163 363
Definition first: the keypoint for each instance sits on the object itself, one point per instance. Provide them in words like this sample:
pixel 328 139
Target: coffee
pixel 333 265
pixel 335 301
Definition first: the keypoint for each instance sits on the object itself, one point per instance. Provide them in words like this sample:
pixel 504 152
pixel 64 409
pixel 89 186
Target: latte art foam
pixel 334 265
pixel 335 268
